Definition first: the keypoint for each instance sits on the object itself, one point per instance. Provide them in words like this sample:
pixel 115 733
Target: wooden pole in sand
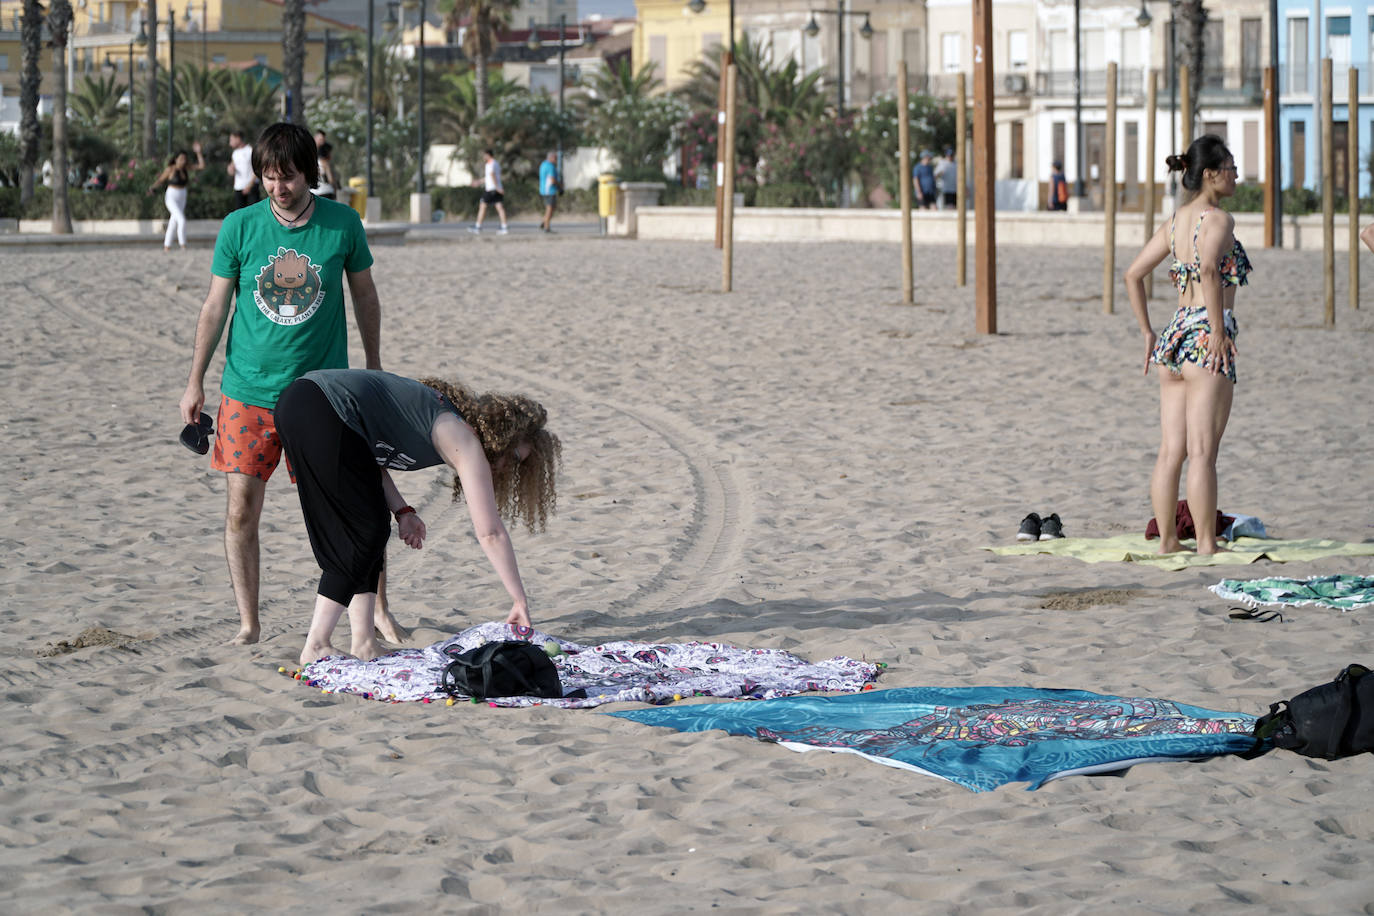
pixel 985 154
pixel 960 219
pixel 1352 159
pixel 1272 203
pixel 1109 198
pixel 728 235
pixel 1186 98
pixel 1151 188
pixel 726 59
pixel 904 184
pixel 1328 201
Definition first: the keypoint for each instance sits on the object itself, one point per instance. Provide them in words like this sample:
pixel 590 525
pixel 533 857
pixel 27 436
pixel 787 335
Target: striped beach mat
pixel 978 737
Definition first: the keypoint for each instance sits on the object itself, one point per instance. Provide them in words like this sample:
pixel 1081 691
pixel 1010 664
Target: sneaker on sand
pixel 1051 527
pixel 1030 528
pixel 475 230
pixel 503 231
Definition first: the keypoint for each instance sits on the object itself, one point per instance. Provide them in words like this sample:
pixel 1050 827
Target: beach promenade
pixel 803 464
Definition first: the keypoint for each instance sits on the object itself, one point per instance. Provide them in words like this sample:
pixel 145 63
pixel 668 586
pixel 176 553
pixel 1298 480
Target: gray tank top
pixel 394 415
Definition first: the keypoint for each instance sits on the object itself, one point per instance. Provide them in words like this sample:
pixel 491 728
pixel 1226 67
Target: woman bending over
pixel 344 430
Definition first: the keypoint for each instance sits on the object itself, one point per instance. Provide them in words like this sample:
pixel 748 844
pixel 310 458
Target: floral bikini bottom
pixel 1185 341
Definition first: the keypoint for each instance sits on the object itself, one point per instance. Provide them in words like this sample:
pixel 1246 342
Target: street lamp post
pixel 171 72
pixel 371 27
pixel 141 39
pixel 420 88
pixel 1078 97
pixel 204 29
pixel 813 28
pixel 1173 91
pixel 535 44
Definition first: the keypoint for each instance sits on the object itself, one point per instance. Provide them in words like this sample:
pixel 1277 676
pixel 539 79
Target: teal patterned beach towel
pixel 979 737
pixel 1344 591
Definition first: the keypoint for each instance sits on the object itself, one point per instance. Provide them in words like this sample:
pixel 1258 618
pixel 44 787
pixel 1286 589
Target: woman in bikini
pixel 1197 376
pixel 177 176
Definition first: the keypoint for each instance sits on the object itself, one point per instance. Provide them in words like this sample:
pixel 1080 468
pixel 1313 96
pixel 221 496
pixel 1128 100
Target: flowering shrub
pixel 395 144
pixel 640 132
pixel 520 128
pixel 698 135
pixel 816 152
pixel 932 127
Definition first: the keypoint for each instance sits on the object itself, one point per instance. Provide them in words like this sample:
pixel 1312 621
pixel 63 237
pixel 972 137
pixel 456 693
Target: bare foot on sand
pixel 1173 546
pixel 367 649
pixel 313 653
pixel 389 629
pixel 246 637
pixel 1215 549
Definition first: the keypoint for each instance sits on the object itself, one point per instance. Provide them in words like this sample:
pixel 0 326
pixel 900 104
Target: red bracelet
pixel 402 511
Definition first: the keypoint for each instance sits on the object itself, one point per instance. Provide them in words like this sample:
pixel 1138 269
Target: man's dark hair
pixel 488 152
pixel 236 133
pixel 287 148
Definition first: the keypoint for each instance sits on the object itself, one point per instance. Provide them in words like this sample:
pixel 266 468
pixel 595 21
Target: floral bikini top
pixel 1234 264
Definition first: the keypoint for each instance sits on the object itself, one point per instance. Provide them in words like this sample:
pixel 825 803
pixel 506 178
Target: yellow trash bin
pixel 357 198
pixel 607 187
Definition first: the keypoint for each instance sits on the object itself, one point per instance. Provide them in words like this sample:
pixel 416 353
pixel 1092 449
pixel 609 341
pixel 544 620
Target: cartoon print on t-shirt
pixel 288 288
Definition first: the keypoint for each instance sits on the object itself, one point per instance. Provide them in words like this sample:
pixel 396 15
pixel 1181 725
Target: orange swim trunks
pixel 246 441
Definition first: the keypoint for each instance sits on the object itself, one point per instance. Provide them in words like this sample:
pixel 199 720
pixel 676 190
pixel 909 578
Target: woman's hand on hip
pixel 1220 350
pixel 1149 350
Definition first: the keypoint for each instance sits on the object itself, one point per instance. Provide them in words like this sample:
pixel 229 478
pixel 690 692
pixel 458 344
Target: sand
pixel 803 464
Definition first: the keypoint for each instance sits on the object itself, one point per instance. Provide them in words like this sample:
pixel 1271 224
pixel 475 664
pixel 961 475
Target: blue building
pixel 1308 32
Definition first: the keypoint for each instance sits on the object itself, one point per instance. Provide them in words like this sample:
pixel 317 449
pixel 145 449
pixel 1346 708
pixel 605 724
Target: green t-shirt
pixel 394 415
pixel 289 315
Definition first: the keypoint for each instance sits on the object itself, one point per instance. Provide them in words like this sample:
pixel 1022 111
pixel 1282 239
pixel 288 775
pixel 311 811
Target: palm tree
pixel 618 82
pixel 59 24
pixel 780 93
pixel 95 104
pixel 293 57
pixel 451 101
pixel 388 72
pixel 150 89
pixel 486 18
pixel 200 85
pixel 1192 20
pixel 249 104
pixel 31 35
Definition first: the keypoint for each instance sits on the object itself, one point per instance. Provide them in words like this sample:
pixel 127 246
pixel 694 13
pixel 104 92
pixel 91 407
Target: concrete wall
pixel 760 224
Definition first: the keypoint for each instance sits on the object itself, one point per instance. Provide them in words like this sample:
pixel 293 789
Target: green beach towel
pixel 1343 591
pixel 1133 548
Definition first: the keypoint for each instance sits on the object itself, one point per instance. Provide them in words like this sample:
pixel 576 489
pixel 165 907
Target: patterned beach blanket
pixel 1133 548
pixel 611 672
pixel 978 737
pixel 1344 591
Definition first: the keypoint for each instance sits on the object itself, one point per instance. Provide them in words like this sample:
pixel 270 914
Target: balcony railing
pixel 1301 79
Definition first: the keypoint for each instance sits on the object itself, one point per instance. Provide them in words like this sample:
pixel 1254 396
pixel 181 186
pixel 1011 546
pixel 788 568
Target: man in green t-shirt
pixel 286 260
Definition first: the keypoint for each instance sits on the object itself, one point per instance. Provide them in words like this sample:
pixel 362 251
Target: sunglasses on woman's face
pixel 196 436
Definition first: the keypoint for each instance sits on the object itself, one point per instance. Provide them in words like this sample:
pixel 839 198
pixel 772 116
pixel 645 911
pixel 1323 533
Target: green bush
pixel 202 203
pixel 788 194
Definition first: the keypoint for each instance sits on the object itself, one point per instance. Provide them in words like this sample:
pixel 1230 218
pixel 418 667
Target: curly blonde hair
pixel 525 490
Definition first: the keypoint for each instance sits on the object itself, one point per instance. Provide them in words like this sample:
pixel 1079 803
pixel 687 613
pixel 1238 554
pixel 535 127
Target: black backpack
pixel 501 669
pixel 1329 721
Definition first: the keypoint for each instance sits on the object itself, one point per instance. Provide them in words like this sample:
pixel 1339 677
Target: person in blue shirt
pixel 549 189
pixel 923 182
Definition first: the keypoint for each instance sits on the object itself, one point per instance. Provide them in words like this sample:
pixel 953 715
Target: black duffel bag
pixel 501 669
pixel 1329 721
